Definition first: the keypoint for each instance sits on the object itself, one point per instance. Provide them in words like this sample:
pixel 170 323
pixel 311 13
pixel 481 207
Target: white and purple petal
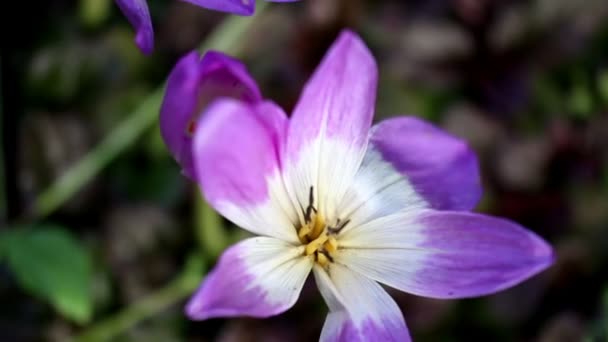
pixel 360 310
pixel 192 85
pixel 138 14
pixel 258 277
pixel 378 190
pixel 442 168
pixel 443 254
pixel 328 131
pixel 236 156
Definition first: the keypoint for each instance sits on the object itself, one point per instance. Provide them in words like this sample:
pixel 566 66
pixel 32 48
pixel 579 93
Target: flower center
pixel 319 238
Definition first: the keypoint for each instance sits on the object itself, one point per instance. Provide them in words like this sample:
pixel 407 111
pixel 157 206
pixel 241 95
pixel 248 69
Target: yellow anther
pixel 314 245
pixel 322 259
pixel 319 225
pixel 331 245
pixel 303 232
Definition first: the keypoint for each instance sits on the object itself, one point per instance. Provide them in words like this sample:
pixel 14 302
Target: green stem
pixel 175 291
pixel 112 145
pixel 226 38
pixel 210 231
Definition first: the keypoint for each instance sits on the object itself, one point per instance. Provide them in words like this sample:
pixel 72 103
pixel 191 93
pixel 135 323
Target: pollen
pixel 318 237
pixel 331 245
pixel 319 240
pixel 316 244
pixel 312 229
pixel 323 248
pixel 322 259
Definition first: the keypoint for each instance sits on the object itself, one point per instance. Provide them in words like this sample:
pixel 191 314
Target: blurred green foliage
pixel 92 13
pixel 51 264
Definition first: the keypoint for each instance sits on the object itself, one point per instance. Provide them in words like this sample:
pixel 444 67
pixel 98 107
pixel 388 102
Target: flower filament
pixel 319 238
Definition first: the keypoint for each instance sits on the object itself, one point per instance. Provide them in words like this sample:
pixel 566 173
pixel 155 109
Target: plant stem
pixel 210 231
pixel 91 164
pixel 175 291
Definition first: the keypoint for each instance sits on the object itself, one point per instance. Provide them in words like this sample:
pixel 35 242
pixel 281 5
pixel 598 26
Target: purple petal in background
pixel 192 85
pixel 241 7
pixel 442 168
pixel 138 15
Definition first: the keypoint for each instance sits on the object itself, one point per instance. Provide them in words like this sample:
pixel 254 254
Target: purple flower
pixel 354 204
pixel 192 85
pixel 138 15
pixel 241 7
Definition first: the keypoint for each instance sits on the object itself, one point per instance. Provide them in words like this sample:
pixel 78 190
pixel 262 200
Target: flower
pixel 138 14
pixel 355 205
pixel 191 86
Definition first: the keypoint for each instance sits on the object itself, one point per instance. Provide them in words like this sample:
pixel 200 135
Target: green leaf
pixel 50 264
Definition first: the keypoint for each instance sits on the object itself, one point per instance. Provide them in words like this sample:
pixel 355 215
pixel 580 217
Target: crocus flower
pixel 138 14
pixel 192 85
pixel 357 205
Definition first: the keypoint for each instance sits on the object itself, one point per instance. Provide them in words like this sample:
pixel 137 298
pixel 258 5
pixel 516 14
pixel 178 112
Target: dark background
pixel 524 82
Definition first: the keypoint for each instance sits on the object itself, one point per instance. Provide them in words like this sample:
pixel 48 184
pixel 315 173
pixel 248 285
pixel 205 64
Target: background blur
pixel 103 239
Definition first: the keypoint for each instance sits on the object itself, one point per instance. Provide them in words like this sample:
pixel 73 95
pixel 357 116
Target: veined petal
pixel 378 190
pixel 241 7
pixel 138 14
pixel 192 85
pixel 258 277
pixel 329 128
pixel 236 155
pixel 442 168
pixel 360 310
pixel 444 254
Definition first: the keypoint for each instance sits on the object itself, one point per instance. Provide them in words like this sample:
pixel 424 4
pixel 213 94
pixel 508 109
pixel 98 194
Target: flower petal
pixel 138 15
pixel 360 310
pixel 258 277
pixel 329 128
pixel 236 156
pixel 192 85
pixel 441 167
pixel 378 190
pixel 443 254
pixel 241 7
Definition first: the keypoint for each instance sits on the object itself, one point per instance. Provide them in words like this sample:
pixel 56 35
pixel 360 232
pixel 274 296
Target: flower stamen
pixel 319 238
pixel 316 244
